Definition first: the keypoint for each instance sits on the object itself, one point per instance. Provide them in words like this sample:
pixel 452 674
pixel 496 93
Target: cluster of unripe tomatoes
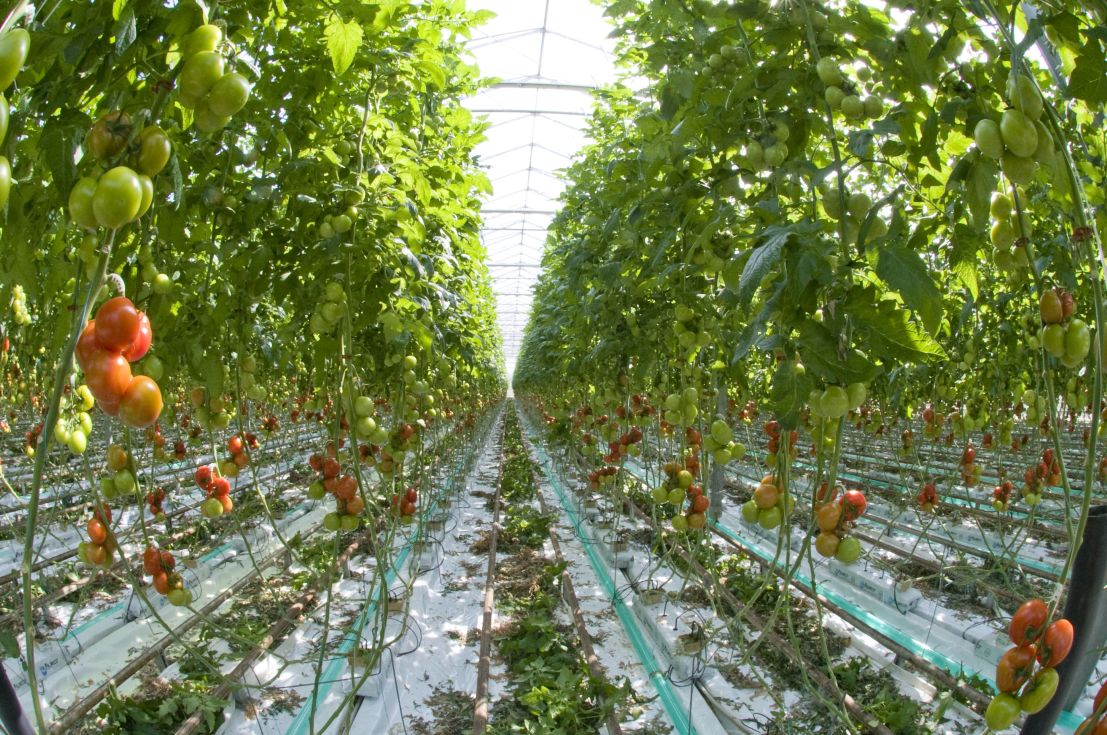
pixel 1025 676
pixel 1068 342
pixel 769 504
pixel 680 489
pixel 159 564
pixel 119 335
pixel 218 490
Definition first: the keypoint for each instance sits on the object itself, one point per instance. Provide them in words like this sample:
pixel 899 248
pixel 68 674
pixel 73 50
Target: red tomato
pixel 141 404
pixel 96 554
pixel 234 444
pixel 1014 668
pixel 203 476
pixel 853 504
pixel 108 376
pixel 161 582
pixel 411 496
pixel 228 504
pixel 137 349
pixel 167 561
pixel 1028 622
pixel 151 560
pixel 407 508
pixel 220 487
pixel 86 345
pixel 117 324
pixel 330 468
pixel 97 532
pixel 1056 643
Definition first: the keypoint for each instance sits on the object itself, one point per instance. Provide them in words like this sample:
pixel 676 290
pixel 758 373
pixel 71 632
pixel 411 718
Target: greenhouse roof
pixel 547 57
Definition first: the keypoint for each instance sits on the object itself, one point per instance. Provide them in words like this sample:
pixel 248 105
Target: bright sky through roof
pixel 547 55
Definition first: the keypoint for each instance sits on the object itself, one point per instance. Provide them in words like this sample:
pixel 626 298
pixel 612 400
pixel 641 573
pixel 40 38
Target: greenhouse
pixel 553 367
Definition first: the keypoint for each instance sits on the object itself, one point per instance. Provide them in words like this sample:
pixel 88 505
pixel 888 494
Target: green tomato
pixel 857 393
pixel 211 508
pixel 834 402
pixel 124 481
pixel 153 368
pixel 769 518
pixel 660 495
pixel 750 511
pixel 78 442
pixel 5 113
pixel 363 406
pixel 154 150
pixel 85 420
pixel 147 187
pixel 206 120
pixel 680 523
pixel 1053 339
pixel 849 550
pixel 5 181
pixel 1078 340
pixel 80 203
pixel 14 46
pixel 1019 170
pixel 332 522
pixel 988 138
pixel 1039 691
pixel 205 38
pixel 118 198
pixel 200 73
pixel 229 94
pixel 676 496
pixel 720 432
pixel 1019 133
pixel 1002 712
pixel 178 596
pixel 349 522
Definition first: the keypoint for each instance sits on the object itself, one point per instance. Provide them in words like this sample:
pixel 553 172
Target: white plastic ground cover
pixel 446 608
pixel 293 668
pixel 91 653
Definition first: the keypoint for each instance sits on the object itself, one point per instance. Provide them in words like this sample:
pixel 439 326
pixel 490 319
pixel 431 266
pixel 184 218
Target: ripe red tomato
pixel 151 560
pixel 411 496
pixel 97 532
pixel 853 504
pixel 137 349
pixel 407 508
pixel 330 468
pixel 161 582
pixel 220 487
pixel 141 404
pixel 117 324
pixel 1014 668
pixel 1028 622
pixel 108 376
pixel 234 444
pixel 1056 643
pixel 203 476
pixel 86 345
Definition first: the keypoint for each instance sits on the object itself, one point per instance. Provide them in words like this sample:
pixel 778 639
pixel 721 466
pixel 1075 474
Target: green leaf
pixel 1088 80
pixel 789 393
pixel 904 271
pixel 343 41
pixel 824 356
pixel 980 183
pixel 892 335
pixel 761 260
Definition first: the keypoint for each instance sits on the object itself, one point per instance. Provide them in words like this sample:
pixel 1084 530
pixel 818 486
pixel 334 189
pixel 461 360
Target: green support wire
pixel 673 707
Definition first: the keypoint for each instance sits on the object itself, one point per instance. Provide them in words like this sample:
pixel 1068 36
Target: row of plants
pixel 830 213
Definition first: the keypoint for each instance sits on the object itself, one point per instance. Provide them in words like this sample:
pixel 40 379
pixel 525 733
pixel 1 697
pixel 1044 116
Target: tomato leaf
pixel 823 356
pixel 904 271
pixel 1088 80
pixel 981 182
pixel 892 334
pixel 343 41
pixel 789 393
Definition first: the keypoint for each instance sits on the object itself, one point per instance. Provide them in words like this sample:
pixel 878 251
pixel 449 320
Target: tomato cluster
pixel 1047 473
pixel 835 514
pixel 120 334
pixel 928 498
pixel 405 505
pixel 970 470
pixel 236 447
pixel 154 499
pixel 348 504
pixel 20 313
pixel 680 489
pixel 213 94
pixel 100 548
pixel 14 46
pixel 1029 665
pixel 1069 343
pixel 159 564
pixel 769 504
pixel 210 413
pixel 121 480
pixel 772 446
pixel 218 490
pixel 603 476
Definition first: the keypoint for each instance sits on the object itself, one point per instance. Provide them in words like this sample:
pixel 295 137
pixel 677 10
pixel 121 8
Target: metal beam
pixel 503 110
pixel 543 85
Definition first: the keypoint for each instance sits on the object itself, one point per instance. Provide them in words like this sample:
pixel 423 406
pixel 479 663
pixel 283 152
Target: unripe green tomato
pixel 750 511
pixel 124 481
